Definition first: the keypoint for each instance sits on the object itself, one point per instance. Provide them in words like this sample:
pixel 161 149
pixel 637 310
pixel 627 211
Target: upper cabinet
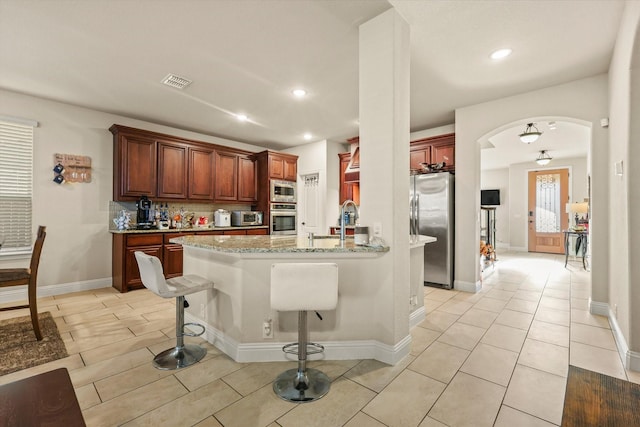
pixel 134 165
pixel 172 170
pixel 435 149
pixel 165 167
pixel 201 173
pixel 279 165
pixel 348 190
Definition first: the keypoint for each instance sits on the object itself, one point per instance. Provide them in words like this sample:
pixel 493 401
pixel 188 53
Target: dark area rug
pixel 594 399
pixel 19 348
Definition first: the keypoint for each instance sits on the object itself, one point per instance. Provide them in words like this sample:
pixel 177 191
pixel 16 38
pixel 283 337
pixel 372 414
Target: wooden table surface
pixel 46 399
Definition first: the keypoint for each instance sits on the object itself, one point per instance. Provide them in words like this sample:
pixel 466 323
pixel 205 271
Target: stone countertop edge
pixel 185 230
pixel 270 244
pixel 420 241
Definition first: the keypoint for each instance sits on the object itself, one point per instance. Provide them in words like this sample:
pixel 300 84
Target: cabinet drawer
pixel 235 232
pixel 257 231
pixel 144 239
pixel 169 236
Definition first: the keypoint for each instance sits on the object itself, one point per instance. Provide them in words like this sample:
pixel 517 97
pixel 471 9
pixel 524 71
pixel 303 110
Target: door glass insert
pixel 548 213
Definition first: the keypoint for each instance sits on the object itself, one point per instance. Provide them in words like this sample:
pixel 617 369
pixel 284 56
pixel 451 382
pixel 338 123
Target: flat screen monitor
pixel 489 197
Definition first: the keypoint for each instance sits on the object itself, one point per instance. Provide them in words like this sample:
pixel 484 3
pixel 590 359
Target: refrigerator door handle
pixel 411 217
pixel 416 207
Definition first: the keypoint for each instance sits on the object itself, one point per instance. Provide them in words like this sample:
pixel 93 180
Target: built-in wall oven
pixel 283 218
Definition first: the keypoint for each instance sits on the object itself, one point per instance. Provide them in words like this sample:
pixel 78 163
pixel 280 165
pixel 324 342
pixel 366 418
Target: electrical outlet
pixel 377 229
pixel 267 329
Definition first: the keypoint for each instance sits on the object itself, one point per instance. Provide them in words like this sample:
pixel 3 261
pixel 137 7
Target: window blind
pixel 16 184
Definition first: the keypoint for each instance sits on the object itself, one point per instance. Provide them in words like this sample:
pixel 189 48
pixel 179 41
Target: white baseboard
pixel 19 293
pixel 417 316
pixel 630 359
pixel 272 351
pixel 460 285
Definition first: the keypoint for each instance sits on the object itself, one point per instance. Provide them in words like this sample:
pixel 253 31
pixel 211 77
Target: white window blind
pixel 16 184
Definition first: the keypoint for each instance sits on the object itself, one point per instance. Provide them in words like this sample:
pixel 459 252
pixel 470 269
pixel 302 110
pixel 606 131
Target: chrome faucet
pixel 342 221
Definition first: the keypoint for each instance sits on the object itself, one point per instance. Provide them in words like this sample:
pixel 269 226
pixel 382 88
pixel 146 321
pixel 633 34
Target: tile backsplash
pixel 198 210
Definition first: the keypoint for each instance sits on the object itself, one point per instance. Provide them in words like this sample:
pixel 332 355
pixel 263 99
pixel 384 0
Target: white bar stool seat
pixel 301 287
pixel 153 279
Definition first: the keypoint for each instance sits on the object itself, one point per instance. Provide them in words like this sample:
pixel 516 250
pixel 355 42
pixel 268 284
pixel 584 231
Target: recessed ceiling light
pixel 176 81
pixel 299 93
pixel 242 117
pixel 501 53
pixel 307 136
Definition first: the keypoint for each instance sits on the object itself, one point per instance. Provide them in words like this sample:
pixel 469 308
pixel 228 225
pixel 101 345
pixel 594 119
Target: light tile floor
pixel 496 358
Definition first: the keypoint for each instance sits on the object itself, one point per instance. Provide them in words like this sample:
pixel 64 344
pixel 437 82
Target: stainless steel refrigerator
pixel 431 205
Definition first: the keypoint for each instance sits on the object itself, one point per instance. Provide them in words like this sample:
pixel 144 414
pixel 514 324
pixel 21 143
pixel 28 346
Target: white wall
pixel 321 157
pixel 583 101
pixel 78 245
pixel 624 82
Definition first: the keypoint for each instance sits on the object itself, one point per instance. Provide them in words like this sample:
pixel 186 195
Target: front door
pixel 548 196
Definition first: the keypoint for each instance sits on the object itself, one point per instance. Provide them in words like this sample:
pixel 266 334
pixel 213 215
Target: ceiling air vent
pixel 176 81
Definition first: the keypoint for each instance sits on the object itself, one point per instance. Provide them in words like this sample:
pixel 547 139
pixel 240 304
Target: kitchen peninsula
pixel 237 310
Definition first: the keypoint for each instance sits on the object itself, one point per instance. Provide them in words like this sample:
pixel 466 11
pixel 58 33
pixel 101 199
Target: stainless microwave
pixel 243 218
pixel 283 191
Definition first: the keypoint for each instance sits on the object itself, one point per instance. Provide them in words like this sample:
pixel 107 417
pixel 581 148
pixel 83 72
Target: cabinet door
pixel 132 275
pixel 290 170
pixel 226 173
pixel 276 167
pixel 246 180
pixel 137 159
pixel 172 170
pixel 444 153
pixel 201 173
pixel 172 260
pixel 421 155
pixel 257 232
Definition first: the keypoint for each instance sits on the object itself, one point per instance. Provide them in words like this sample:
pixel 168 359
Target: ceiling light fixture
pixel 307 136
pixel 299 93
pixel 242 117
pixel 530 135
pixel 500 53
pixel 544 158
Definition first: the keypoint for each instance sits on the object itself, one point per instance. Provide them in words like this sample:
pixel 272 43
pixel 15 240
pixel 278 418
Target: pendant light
pixel 530 135
pixel 544 158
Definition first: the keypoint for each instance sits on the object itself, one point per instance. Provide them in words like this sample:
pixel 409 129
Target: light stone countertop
pixel 420 240
pixel 276 244
pixel 185 230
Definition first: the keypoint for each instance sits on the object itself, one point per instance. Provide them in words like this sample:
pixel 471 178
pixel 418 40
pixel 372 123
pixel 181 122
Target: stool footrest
pixel 193 334
pixel 312 348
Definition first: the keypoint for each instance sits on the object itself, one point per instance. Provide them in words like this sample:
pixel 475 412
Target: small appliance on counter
pixel 143 217
pixel 245 218
pixel 361 235
pixel 222 218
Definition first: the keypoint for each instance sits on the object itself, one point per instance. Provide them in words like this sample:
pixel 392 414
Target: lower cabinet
pixel 349 231
pixel 124 269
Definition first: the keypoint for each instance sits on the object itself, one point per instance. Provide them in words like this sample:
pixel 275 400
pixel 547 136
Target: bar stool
pixel 153 279
pixel 301 287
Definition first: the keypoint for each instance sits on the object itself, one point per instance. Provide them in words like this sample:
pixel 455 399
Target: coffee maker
pixel 143 217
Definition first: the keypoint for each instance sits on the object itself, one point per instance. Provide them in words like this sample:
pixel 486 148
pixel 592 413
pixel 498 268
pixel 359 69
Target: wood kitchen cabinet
pixel 278 165
pixel 134 165
pixel 247 180
pixel 172 170
pixel 201 173
pixel 126 275
pixel 435 149
pixel 348 190
pixel 168 168
pixel 226 176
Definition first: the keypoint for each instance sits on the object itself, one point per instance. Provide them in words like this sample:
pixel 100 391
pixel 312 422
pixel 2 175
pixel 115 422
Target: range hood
pixel 352 172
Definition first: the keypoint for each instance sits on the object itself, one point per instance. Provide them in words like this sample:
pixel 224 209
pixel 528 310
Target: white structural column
pixel 384 166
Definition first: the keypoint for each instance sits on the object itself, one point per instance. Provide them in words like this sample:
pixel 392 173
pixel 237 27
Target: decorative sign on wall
pixel 71 168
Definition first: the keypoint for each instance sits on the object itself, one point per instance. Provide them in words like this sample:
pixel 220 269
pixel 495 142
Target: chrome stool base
pixel 179 357
pixel 301 386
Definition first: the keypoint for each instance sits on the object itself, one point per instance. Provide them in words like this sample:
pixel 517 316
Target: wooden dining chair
pixel 29 277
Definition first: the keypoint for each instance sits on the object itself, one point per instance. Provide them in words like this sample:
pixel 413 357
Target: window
pixel 16 183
